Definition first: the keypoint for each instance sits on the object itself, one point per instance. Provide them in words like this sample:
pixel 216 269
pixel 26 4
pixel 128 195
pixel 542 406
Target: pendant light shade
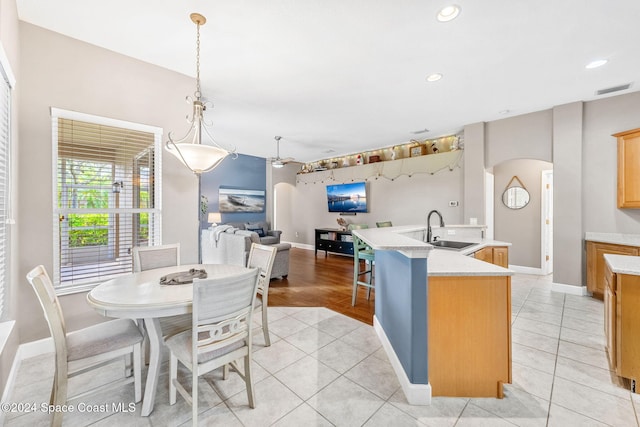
pixel 191 150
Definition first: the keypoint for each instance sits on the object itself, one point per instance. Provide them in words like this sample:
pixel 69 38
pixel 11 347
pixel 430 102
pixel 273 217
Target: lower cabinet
pixel 596 264
pixel 469 327
pixel 498 255
pixel 622 323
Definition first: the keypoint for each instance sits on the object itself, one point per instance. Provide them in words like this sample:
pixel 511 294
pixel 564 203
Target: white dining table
pixel 141 296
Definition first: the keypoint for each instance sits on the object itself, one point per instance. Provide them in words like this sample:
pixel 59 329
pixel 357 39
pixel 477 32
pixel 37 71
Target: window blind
pixel 5 139
pixel 107 197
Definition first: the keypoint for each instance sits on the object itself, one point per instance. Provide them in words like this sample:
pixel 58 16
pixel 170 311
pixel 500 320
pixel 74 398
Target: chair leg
pixel 58 397
pixel 137 372
pixel 249 381
pixel 173 375
pixel 225 371
pixel 265 325
pixel 356 274
pixel 194 393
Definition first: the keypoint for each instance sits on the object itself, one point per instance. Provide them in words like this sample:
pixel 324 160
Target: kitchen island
pixel 621 315
pixel 443 317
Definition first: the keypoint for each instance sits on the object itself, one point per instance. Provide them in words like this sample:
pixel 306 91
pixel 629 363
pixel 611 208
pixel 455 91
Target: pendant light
pixel 190 149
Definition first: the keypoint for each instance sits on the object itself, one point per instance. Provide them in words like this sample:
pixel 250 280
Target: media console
pixel 334 240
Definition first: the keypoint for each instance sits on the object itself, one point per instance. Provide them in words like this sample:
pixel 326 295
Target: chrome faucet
pixel 429 223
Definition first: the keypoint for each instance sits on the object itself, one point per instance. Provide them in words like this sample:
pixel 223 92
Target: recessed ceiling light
pixel 434 77
pixel 597 63
pixel 448 13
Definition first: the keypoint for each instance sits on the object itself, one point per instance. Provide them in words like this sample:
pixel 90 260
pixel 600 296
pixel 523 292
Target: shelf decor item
pixel 418 150
pixel 342 223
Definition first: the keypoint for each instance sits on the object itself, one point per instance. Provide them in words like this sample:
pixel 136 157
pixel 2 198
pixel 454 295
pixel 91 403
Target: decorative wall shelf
pixel 391 169
pixel 413 148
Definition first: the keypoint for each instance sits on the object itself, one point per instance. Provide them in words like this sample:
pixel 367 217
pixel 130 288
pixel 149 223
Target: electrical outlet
pixel 451 232
pixel 453 203
pixel 297 235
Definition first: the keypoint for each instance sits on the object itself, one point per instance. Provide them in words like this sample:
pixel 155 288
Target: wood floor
pixel 319 281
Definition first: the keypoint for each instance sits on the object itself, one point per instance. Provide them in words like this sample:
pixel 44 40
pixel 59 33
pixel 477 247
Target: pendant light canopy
pixel 190 149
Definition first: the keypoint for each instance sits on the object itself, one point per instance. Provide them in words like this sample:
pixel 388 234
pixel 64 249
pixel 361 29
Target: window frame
pixel 8 79
pixel 155 212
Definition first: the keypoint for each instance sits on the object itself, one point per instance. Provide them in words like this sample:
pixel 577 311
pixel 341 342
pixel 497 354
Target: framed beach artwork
pixel 241 200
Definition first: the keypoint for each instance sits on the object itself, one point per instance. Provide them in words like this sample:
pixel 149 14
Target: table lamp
pixel 214 218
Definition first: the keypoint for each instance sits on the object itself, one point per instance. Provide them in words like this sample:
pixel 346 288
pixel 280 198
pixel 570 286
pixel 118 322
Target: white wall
pixel 403 200
pixel 59 71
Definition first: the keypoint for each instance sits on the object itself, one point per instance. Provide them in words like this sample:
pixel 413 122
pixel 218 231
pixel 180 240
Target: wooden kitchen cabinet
pixel 622 323
pixel 469 327
pixel 498 255
pixel 596 263
pixel 628 170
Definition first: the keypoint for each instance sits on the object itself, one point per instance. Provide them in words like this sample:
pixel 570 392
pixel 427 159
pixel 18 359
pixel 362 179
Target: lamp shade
pixel 214 218
pixel 197 157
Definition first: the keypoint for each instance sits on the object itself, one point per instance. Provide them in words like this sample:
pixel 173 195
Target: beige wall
pixel 58 71
pixel 521 227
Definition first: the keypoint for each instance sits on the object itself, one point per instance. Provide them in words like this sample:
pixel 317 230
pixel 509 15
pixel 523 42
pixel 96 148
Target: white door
pixel 547 222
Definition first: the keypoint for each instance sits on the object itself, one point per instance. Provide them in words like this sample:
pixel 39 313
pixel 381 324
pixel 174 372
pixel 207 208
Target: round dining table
pixel 141 296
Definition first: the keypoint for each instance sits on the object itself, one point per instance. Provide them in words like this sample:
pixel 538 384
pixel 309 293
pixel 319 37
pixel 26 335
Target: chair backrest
pixel 359 245
pixel 262 257
pixel 150 257
pixel 222 310
pixel 357 226
pixel 41 283
pixel 384 224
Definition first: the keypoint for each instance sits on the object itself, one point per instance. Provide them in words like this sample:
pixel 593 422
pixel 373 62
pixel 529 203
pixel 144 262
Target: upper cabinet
pixel 628 168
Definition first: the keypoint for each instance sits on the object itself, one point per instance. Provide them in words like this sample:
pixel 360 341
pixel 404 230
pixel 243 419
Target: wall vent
pixel 613 89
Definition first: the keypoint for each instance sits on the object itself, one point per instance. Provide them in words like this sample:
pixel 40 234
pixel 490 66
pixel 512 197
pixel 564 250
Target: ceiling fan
pixel 278 162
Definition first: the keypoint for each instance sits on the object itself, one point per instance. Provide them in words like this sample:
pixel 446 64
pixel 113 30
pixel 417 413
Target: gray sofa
pixel 266 235
pixel 227 245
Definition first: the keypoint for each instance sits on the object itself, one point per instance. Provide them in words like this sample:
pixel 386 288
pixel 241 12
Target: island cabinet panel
pixel 469 335
pixel 628 170
pixel 627 327
pixel 596 263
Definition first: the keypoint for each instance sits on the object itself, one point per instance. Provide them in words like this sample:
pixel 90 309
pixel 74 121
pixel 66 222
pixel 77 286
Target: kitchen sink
pixel 448 244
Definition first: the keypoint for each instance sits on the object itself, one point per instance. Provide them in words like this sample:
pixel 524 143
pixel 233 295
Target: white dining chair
pixel 263 257
pixel 79 351
pixel 220 335
pixel 150 257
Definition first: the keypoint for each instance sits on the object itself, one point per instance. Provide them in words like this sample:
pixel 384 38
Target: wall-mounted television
pixel 351 197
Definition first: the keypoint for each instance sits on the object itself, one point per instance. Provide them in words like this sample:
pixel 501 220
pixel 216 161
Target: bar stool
pixel 362 252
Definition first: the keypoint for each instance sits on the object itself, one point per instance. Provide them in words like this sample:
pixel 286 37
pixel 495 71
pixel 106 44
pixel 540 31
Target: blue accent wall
pixel 246 172
pixel 401 309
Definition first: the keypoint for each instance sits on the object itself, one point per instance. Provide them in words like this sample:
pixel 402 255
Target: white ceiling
pixel 349 75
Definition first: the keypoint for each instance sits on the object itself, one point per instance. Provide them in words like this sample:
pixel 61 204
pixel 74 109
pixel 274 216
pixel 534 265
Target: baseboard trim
pixel 301 246
pixel 416 394
pixel 569 289
pixel 36 348
pixel 526 270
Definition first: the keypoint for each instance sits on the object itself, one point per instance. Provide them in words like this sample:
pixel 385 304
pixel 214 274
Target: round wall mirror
pixel 515 197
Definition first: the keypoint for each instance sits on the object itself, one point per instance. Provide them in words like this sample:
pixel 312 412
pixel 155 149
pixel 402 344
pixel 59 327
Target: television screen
pixel 350 197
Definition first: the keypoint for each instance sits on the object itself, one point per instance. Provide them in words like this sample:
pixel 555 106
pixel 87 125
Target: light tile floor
pixel 327 369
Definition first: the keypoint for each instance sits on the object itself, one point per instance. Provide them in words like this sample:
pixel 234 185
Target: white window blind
pixel 107 197
pixel 5 201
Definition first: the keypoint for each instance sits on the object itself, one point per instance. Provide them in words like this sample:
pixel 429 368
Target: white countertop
pixel 614 238
pixel 441 262
pixel 623 264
